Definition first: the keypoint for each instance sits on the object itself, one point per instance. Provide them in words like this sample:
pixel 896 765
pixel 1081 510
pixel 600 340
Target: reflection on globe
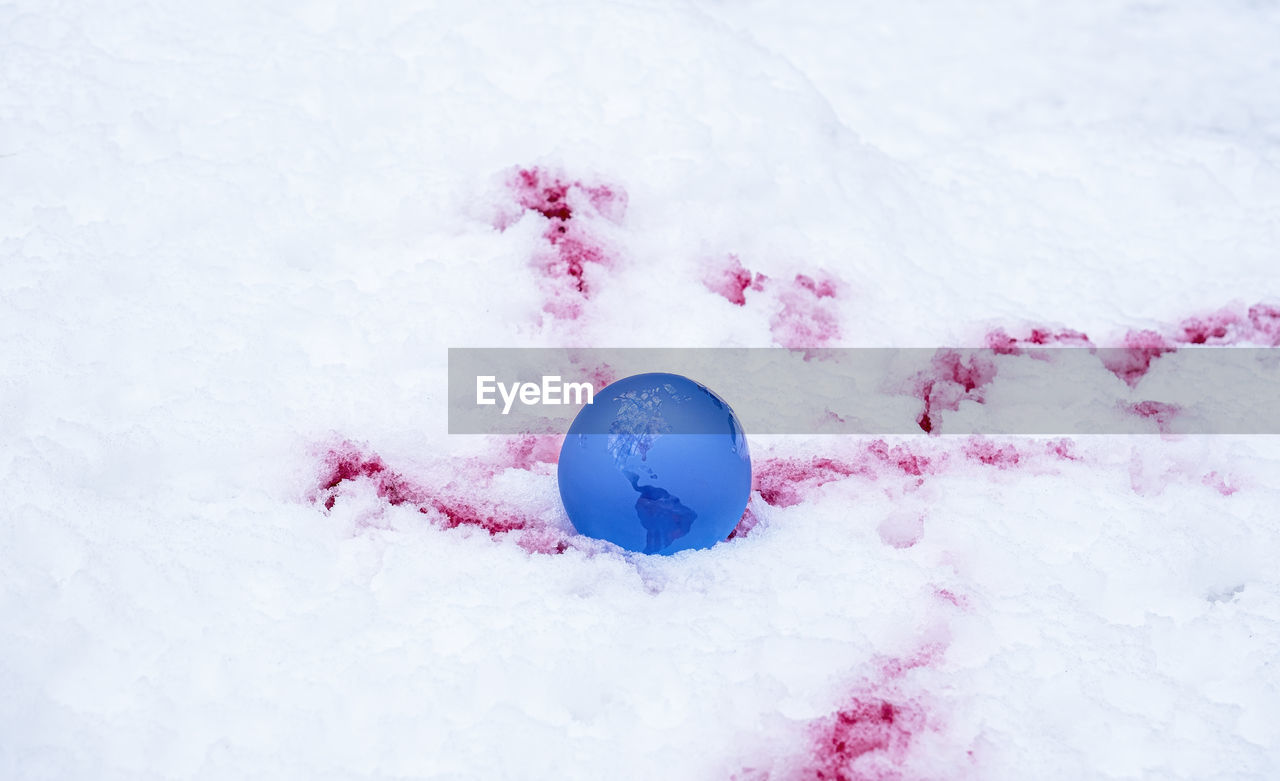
pixel 658 464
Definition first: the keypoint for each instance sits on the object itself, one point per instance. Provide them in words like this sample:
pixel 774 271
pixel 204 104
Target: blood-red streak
pixel 347 463
pixel 733 280
pixel 571 245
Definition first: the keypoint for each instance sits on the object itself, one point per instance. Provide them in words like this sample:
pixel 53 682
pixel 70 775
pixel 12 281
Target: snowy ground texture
pixel 237 240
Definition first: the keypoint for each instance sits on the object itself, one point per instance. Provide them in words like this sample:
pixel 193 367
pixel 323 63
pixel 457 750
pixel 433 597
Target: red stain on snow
pixel 807 317
pixel 1227 326
pixel 950 597
pixel 901 457
pixel 1063 448
pixel 733 281
pixel 949 381
pixel 868 738
pixel 1002 343
pixel 601 375
pixel 573 252
pixel 897 667
pixel 825 288
pixel 1260 324
pixel 348 463
pixel 1157 411
pixel 1264 322
pixel 1218 328
pixel 1150 475
pixel 872 734
pixel 784 482
pixel 989 453
pixel 549 194
pixel 1223 484
pixel 526 451
pixel 461 513
pixel 745 524
pixel 1132 362
pixel 781 480
pixel 566 204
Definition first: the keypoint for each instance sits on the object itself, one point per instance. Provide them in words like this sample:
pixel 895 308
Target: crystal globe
pixel 657 464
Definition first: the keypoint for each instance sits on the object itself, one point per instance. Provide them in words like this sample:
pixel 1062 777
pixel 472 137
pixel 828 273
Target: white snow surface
pixel 236 234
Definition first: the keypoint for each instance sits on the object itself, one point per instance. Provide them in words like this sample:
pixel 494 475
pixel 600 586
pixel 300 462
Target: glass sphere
pixel 657 464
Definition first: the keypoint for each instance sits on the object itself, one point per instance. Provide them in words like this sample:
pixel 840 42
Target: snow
pixel 238 239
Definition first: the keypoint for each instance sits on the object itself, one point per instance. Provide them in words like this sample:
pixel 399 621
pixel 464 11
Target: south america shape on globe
pixel 657 464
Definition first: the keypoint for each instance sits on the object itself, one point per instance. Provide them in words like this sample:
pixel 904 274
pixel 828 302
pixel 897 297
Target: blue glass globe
pixel 657 464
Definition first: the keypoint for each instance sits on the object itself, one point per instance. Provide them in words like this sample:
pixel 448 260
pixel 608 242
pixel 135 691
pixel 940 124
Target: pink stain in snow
pixel 807 317
pixel 1002 343
pixel 748 522
pixel 600 376
pixel 820 289
pixel 1264 322
pixel 571 248
pixel 949 381
pixel 1132 362
pixel 1063 448
pixel 871 736
pixel 806 313
pixel 784 482
pixel 951 598
pixel 1223 484
pixel 789 481
pixel 992 454
pixel 781 481
pixel 1150 475
pixel 526 451
pixel 348 463
pixel 1218 328
pixel 1157 411
pixel 549 194
pixel 1260 324
pixel 1227 326
pixel 897 667
pixel 903 458
pixel 733 281
pixel 868 738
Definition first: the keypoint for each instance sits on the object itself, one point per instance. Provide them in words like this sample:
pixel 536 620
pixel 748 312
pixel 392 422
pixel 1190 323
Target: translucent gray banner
pixel 1023 390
